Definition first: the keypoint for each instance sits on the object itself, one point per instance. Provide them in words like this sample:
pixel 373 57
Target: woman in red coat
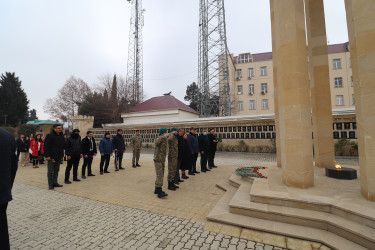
pixel 38 150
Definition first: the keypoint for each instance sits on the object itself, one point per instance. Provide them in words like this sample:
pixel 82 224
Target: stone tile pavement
pixel 120 211
pixel 42 219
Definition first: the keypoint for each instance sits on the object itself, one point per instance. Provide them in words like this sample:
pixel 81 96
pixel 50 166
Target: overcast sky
pixel 45 42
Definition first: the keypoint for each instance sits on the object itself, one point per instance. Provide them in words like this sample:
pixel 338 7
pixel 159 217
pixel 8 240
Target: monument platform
pixel 333 212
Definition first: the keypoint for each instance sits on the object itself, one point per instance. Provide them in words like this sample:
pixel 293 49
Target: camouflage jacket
pixel 160 149
pixel 136 142
pixel 172 146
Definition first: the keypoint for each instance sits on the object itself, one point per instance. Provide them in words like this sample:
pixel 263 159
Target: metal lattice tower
pixel 134 77
pixel 213 52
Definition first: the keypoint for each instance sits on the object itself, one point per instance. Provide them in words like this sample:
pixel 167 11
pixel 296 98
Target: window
pixel 352 80
pixel 263 71
pixel 251 89
pixel 264 88
pixel 353 99
pixel 239 89
pixel 338 82
pixel 264 103
pixel 336 63
pixel 251 72
pixel 339 100
pixel 244 58
pixel 239 74
pixel 240 105
pixel 252 104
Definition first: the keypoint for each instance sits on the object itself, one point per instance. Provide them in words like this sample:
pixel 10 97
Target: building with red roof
pixel 159 109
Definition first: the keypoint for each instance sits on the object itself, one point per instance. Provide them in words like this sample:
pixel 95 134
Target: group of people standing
pixel 55 146
pixel 182 150
pixel 30 149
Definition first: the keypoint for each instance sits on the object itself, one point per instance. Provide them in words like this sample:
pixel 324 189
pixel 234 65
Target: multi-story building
pixel 251 81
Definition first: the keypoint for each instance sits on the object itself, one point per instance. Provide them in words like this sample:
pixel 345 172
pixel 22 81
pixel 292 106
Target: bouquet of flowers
pixel 250 172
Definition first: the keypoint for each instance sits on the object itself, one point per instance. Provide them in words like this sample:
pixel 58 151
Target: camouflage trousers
pixel 136 154
pixel 172 167
pixel 159 169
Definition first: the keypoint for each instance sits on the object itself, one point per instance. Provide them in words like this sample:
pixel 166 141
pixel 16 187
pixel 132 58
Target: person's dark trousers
pixel 18 155
pixel 4 234
pixel 53 168
pixel 104 159
pixel 204 158
pixel 211 159
pixel 177 176
pixel 119 159
pixel 73 162
pixel 194 158
pixel 87 163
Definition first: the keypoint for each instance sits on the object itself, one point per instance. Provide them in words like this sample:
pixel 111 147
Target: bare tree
pixel 105 83
pixel 65 105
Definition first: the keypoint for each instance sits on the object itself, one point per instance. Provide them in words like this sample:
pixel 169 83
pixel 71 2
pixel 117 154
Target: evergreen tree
pixel 193 95
pixel 31 115
pixel 14 104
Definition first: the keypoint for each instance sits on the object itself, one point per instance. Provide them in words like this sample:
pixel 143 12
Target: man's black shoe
pixel 137 165
pixel 214 166
pixel 84 177
pixel 179 180
pixel 50 188
pixel 122 168
pixel 116 169
pixel 134 166
pixel 67 182
pixel 57 185
pixel 196 172
pixel 208 169
pixel 191 173
pixel 174 184
pixel 101 173
pixel 90 175
pixel 184 176
pixel 107 172
pixel 171 186
pixel 204 171
pixel 76 179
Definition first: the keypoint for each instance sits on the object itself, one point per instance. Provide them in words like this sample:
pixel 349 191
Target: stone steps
pixel 260 193
pixel 235 208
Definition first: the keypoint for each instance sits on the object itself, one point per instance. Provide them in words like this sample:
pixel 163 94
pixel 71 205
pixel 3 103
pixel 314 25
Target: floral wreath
pixel 250 172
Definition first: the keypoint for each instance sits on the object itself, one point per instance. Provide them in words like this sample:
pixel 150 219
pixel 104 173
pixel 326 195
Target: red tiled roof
pixel 262 57
pixel 337 48
pixel 162 103
pixel 333 48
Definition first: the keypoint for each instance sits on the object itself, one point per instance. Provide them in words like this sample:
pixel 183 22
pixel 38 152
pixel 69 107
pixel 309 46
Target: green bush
pixel 27 129
pixel 345 147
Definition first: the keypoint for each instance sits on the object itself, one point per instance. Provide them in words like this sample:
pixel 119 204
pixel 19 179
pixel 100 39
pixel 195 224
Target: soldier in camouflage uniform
pixel 136 144
pixel 172 158
pixel 159 161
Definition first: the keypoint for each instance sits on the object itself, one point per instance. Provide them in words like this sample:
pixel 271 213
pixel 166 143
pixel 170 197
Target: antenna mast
pixel 213 73
pixel 134 77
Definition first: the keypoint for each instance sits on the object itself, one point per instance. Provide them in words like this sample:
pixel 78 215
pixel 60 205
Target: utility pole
pixel 134 77
pixel 213 53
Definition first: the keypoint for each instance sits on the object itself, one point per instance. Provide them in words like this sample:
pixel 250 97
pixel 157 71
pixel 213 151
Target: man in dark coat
pixel 8 169
pixel 204 148
pixel 89 152
pixel 73 150
pixel 54 145
pixel 106 151
pixel 180 138
pixel 119 147
pixel 213 143
pixel 194 148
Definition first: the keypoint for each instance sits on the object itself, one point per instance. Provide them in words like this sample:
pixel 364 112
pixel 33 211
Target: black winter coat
pixel 211 139
pixel 86 146
pixel 180 147
pixel 54 145
pixel 204 143
pixel 73 146
pixel 118 143
pixel 8 165
pixel 186 156
pixel 22 145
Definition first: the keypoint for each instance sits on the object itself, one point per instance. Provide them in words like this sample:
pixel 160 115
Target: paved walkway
pixel 119 211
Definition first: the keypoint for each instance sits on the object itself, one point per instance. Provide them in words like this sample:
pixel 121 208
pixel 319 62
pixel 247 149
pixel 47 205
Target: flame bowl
pixel 341 173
